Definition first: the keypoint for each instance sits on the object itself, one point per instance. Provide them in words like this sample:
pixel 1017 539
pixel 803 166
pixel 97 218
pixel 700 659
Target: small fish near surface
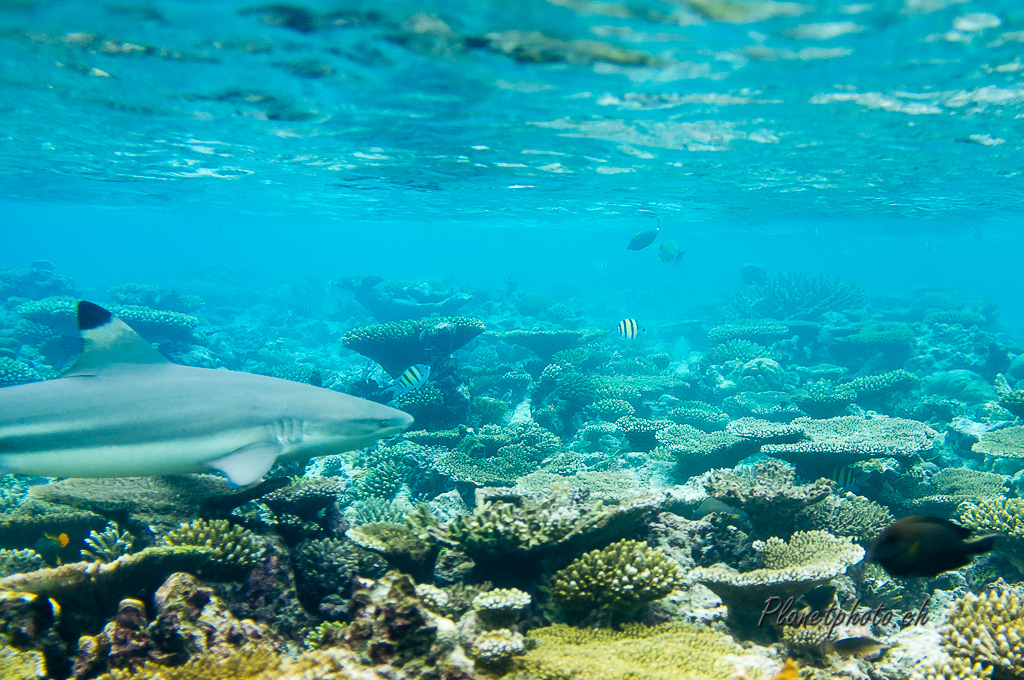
pixel 123 410
pixel 630 329
pixel 669 252
pixel 412 378
pixel 643 239
pixel 920 545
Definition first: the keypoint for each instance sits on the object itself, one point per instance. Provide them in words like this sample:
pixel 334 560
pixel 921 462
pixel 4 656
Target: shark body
pixel 123 410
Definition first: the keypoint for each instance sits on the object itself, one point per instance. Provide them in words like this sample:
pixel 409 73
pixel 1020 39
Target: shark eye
pixel 384 423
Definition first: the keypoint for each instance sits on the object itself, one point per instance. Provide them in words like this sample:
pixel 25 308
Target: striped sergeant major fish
pixel 411 379
pixel 629 329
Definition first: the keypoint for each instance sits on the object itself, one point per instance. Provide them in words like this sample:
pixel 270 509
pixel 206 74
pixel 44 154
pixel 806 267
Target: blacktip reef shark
pixel 123 410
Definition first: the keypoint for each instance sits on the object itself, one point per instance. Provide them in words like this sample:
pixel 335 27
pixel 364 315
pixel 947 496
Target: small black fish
pixel 818 599
pixel 920 545
pixel 855 646
pixel 643 239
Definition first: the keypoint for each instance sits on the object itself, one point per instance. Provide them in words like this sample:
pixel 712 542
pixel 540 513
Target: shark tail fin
pixel 108 341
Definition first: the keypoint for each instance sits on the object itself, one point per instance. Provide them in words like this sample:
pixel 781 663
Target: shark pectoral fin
pixel 249 463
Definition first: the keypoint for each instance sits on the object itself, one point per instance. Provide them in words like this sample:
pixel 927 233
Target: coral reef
pixel 768 493
pixel 843 440
pixel 232 546
pixel 670 651
pixel 984 637
pixel 791 569
pixel 614 582
pixel 400 344
pixel 795 295
pixel 107 545
pixel 547 343
pixel 508 535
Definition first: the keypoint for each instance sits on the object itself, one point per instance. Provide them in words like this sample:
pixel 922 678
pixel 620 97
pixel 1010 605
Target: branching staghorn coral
pixel 107 545
pixel 508 532
pixel 233 546
pixel 983 637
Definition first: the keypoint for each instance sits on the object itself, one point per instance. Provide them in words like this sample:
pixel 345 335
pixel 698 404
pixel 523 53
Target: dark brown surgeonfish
pixel 643 239
pixel 920 545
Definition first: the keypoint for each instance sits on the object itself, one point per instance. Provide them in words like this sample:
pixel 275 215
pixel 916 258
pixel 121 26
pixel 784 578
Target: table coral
pixel 397 345
pixel 615 582
pixel 501 607
pixel 762 332
pixel 546 343
pixel 792 569
pixel 843 440
pixel 696 452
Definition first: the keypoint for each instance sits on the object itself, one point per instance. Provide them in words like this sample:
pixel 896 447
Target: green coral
pixel 233 546
pixel 107 545
pixel 13 372
pixel 987 632
pixel 697 452
pixel 547 343
pixel 616 581
pixel 824 399
pixel 668 651
pixel 699 414
pixel 612 409
pixel 1003 516
pixel 19 665
pixel 400 344
pixel 846 515
pixel 255 663
pixel 19 561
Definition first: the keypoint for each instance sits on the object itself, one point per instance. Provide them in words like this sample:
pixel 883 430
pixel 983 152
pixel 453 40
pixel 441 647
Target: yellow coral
pixel 670 651
pixel 16 665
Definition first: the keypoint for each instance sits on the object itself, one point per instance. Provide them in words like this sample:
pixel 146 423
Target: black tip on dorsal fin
pixel 92 316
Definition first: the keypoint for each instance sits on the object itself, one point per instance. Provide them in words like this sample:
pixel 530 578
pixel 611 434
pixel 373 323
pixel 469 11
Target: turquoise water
pixel 503 155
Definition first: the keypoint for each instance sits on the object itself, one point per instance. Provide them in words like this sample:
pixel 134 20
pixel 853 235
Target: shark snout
pixel 400 422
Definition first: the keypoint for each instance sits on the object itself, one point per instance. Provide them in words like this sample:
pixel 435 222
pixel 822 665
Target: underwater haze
pixel 690 300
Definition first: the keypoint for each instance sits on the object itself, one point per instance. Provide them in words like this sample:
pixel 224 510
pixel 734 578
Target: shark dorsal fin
pixel 108 341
